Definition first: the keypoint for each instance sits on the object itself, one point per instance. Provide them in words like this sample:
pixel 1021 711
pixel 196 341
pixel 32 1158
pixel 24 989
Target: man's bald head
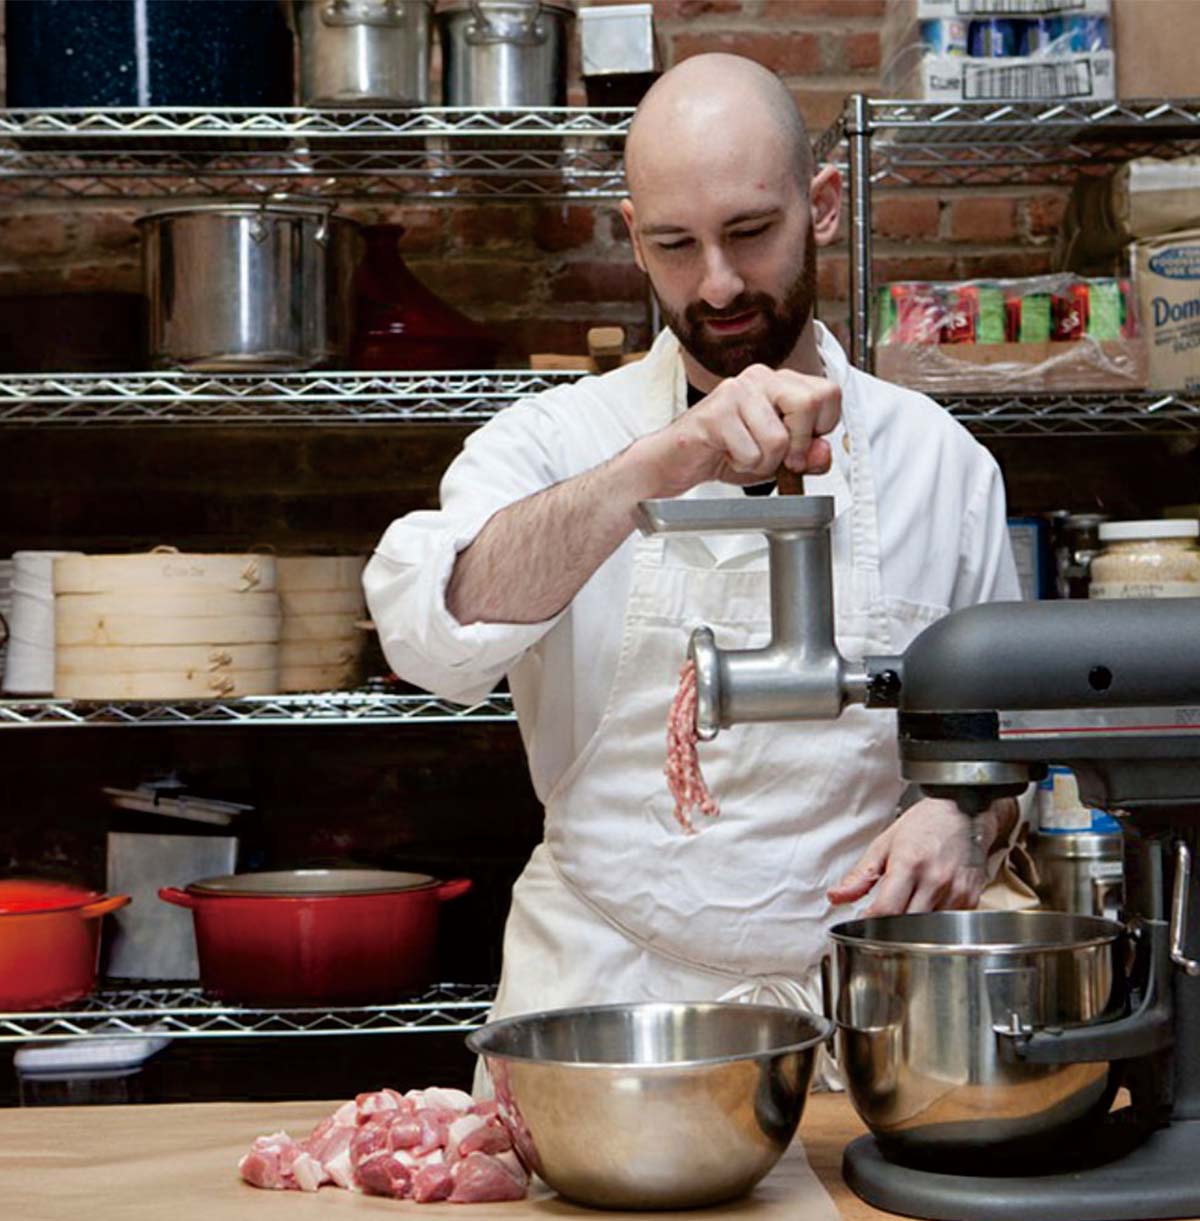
pixel 710 100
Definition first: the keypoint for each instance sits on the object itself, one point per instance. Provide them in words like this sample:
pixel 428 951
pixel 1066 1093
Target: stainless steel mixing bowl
pixel 652 1105
pixel 919 998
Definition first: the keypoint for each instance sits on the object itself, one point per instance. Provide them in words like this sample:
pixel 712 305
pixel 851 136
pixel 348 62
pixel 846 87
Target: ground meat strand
pixel 683 762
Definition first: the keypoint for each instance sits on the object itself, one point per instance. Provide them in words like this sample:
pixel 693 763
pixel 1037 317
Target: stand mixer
pixel 987 698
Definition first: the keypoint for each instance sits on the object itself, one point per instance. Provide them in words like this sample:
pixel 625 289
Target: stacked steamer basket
pixel 166 625
pixel 323 607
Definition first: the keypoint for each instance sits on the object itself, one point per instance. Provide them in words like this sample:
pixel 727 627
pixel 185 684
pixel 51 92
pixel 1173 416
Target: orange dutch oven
pixel 49 941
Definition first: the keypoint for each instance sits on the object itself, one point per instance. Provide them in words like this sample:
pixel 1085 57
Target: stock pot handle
pixel 1179 905
pixel 172 894
pixel 453 889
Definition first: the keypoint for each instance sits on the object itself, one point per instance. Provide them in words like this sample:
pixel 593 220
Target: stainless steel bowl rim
pixel 458 6
pixel 318 211
pixel 981 949
pixel 825 1025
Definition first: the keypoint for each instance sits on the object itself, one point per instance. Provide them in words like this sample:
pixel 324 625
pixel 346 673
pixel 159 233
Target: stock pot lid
pixel 22 896
pixel 976 932
pixel 458 6
pixel 311 883
pixel 318 211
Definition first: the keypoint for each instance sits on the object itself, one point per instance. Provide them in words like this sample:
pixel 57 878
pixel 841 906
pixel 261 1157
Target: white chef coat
pixel 920 529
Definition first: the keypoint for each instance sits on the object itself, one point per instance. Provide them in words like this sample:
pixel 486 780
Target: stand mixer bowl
pixel 919 1000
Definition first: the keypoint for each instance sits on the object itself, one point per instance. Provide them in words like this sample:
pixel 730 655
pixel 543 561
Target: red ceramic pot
pixel 315 936
pixel 49 942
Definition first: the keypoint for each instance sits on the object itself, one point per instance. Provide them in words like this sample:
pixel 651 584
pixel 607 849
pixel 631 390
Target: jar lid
pixel 1167 527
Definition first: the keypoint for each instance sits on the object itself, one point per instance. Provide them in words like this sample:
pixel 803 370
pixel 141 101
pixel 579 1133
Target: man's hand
pixel 743 431
pixel 922 861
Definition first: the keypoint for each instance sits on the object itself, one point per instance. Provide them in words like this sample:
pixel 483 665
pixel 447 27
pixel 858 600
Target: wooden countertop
pixel 178 1163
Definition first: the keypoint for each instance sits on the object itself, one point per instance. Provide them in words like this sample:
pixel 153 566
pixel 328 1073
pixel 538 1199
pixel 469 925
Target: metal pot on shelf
pixel 364 52
pixel 1079 871
pixel 505 53
pixel 242 286
pixel 920 1005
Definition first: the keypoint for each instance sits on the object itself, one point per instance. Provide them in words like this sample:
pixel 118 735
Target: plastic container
pixel 1147 559
pixel 87 1073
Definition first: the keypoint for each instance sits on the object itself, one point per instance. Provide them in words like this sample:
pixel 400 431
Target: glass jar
pixel 1147 559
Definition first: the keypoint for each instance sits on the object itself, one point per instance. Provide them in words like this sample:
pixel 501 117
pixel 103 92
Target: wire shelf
pixel 294 398
pixel 996 143
pixel 128 1009
pixel 440 153
pixel 326 708
pixel 1076 414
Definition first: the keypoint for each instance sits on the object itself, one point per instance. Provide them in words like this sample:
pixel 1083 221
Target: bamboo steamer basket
pixel 298 573
pixel 174 685
pixel 166 570
pixel 80 660
pixel 319 678
pixel 320 652
pixel 346 602
pixel 81 627
pixel 156 602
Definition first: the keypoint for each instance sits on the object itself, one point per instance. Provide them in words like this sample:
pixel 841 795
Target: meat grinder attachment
pixel 799 674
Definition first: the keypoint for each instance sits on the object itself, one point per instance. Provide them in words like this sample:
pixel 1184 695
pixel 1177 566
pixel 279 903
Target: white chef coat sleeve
pixel 987 571
pixel 510 458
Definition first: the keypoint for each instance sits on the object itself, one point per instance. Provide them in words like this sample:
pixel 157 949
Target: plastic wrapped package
pixel 1059 332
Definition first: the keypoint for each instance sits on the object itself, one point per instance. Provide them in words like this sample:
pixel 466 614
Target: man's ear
pixel 825 198
pixel 630 218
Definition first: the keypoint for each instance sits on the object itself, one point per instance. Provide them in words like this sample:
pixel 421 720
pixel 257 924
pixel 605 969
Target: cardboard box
pixel 1015 368
pixel 1088 76
pixel 1155 42
pixel 1166 275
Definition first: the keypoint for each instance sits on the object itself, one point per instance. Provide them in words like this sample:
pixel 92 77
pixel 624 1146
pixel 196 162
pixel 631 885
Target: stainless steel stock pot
pixel 919 1001
pixel 245 286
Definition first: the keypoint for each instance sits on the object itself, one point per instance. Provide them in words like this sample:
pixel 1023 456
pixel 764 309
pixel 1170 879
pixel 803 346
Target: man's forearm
pixel 534 556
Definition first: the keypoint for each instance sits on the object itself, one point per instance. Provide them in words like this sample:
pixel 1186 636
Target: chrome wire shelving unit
pixel 431 153
pixel 1076 414
pixel 127 1009
pixel 460 397
pixel 888 143
pixel 324 708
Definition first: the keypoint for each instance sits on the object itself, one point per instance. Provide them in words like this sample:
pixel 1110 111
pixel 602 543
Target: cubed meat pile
pixel 426 1145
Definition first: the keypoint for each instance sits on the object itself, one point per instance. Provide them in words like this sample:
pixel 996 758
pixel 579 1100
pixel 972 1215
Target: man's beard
pixel 773 336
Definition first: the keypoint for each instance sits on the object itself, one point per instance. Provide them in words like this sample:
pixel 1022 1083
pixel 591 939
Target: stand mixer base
pixel 1158 1178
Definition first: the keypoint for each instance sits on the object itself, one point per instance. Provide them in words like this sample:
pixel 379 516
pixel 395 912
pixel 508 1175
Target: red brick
pixel 123 277
pixel 833 275
pixel 618 229
pixel 804 10
pixel 489 225
pixel 787 54
pixel 112 230
pixel 820 107
pixel 1044 214
pixel 860 51
pixel 1003 263
pixel 563 228
pixel 887 268
pixel 983 219
pixel 464 283
pixel 36 234
pixel 617 280
pixel 423 227
pixel 906 216
pixel 687 10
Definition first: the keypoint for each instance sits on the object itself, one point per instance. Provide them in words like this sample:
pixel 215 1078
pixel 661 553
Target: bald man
pixel 532 568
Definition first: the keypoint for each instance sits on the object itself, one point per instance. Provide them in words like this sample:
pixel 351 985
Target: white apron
pixel 619 904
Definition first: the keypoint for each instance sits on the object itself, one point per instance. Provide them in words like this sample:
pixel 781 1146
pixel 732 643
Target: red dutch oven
pixel 49 941
pixel 315 936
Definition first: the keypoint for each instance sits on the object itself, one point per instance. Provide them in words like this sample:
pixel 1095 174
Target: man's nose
pixel 721 283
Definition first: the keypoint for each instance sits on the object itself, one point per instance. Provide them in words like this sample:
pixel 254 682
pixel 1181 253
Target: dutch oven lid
pixel 24 896
pixel 311 883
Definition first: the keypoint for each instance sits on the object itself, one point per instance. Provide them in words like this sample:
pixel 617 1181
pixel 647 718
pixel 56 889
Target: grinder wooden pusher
pixel 986 698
